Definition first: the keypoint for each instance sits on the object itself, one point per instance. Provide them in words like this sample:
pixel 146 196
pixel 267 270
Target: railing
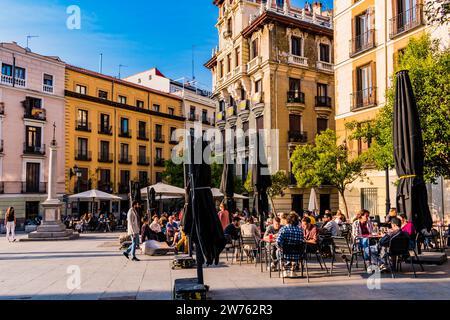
pixel 323 101
pixel 9 80
pixel 105 130
pixel 105 157
pixel 33 150
pixel 159 162
pixel 143 135
pixel 405 21
pixel 240 69
pixel 254 63
pixel 83 155
pixel 159 138
pixel 302 61
pixel 47 88
pixel 143 161
pixel 244 105
pixel 35 114
pixel 105 186
pixel 295 97
pixel 82 126
pixel 220 116
pixel 124 134
pixel 125 159
pixel 34 187
pixel 124 188
pixel 2 108
pixel 362 42
pixel 363 98
pixel 298 136
pixel 325 66
pixel 2 187
pixel 193 117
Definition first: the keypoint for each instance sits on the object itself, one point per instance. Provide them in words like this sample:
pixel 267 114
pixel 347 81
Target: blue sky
pixel 139 34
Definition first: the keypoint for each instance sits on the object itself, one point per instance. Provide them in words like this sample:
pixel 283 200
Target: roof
pixel 15 47
pixel 211 62
pixel 120 81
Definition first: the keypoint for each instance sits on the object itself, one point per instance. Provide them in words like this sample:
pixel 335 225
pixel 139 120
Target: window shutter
pixel 374 81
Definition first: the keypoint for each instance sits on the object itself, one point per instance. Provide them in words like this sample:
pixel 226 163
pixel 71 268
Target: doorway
pixel 297 203
pixel 325 203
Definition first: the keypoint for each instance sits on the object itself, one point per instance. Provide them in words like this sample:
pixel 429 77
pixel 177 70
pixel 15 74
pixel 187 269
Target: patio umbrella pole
pixel 198 253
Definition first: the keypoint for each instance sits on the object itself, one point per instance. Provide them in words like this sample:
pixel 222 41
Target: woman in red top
pixel 224 216
pixel 407 226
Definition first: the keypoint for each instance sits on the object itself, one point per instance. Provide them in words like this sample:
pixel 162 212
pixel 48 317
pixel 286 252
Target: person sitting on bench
pixel 156 228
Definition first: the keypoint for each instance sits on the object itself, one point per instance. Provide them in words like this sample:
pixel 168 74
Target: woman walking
pixel 10 223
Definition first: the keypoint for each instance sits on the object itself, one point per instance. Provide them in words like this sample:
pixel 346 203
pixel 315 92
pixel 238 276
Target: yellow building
pixel 368 37
pixel 116 132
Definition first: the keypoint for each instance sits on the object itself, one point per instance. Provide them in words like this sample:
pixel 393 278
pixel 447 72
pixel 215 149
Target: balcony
pixel 221 119
pixel 159 138
pixel 124 188
pixel 193 117
pixel 159 162
pixel 253 64
pixel 227 34
pixel 35 114
pixel 295 97
pixel 298 60
pixel 83 155
pixel 34 187
pixel 143 161
pixel 2 108
pixel 298 136
pixel 322 101
pixel 47 89
pixel 125 134
pixel 83 126
pixel 405 21
pixel 207 121
pixel 33 149
pixel 363 99
pixel 106 130
pixel 240 70
pixel 9 80
pixel 125 159
pixel 143 135
pixel 105 186
pixel 105 157
pixel 362 43
pixel 325 66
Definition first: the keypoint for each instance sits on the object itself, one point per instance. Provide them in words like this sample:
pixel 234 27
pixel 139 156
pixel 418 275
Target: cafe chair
pixel 249 245
pixel 233 246
pixel 398 253
pixel 343 248
pixel 293 254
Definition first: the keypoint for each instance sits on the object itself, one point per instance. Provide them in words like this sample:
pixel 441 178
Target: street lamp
pixel 78 173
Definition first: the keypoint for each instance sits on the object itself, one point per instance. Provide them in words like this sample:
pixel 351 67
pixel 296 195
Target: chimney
pixel 317 8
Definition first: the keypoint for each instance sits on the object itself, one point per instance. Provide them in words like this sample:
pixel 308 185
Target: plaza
pixel 44 271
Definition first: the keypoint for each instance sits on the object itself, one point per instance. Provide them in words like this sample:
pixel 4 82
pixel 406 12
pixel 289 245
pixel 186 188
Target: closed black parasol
pixel 151 196
pixel 261 181
pixel 227 186
pixel 200 220
pixel 412 196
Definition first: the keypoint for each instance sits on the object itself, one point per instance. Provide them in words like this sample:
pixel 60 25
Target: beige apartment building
pixel 273 69
pixel 368 35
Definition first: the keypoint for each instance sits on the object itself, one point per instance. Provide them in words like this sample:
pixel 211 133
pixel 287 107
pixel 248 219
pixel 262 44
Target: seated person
pixel 273 230
pixel 250 230
pixel 329 226
pixel 362 229
pixel 407 226
pixel 310 215
pixel 171 229
pixel 233 231
pixel 311 235
pixel 146 233
pixel 155 226
pixel 392 214
pixel 182 244
pixel 290 234
pixel 339 218
pixel 102 223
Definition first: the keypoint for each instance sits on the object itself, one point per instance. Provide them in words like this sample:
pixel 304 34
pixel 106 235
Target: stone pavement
pixel 44 270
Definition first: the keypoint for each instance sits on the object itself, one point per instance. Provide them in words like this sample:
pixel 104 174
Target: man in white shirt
pixel 133 230
pixel 330 225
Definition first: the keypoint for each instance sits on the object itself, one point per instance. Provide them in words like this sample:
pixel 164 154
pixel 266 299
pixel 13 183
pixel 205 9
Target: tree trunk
pixel 345 204
pixel 273 206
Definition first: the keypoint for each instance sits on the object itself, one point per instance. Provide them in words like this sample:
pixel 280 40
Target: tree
pixel 326 163
pixel 173 174
pixel 248 184
pixel 216 174
pixel 430 77
pixel 437 12
pixel 280 182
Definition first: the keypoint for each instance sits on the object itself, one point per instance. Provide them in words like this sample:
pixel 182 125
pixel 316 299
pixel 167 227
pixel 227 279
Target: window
pixel 172 134
pixel 365 90
pixel 254 52
pixel 296 46
pixel 34 103
pixel 171 111
pixel 19 73
pixel 143 178
pixel 124 151
pixel 6 69
pixel 258 86
pixel 221 69
pixel 103 94
pixel 140 104
pixel 104 123
pixel 238 56
pixel 322 125
pixel 80 89
pixel 122 100
pixel 33 137
pixel 158 131
pixel 159 153
pixel 229 63
pixel 142 154
pixel 82 147
pixel 125 177
pixel 156 107
pixel 204 115
pixel 192 114
pixel 124 125
pixel 105 176
pixel 142 129
pixel 294 85
pixel 324 52
pixel 48 80
pixel 295 122
pixel 322 90
pixel 104 150
pixel 369 197
pixel 33 175
pixel 230 26
pixel 82 118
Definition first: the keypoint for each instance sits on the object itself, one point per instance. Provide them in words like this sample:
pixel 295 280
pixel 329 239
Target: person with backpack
pixel 10 223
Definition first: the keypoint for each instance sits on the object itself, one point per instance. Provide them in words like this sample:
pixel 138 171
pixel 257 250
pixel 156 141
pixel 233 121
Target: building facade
pixel 31 101
pixel 198 106
pixel 368 38
pixel 273 69
pixel 116 132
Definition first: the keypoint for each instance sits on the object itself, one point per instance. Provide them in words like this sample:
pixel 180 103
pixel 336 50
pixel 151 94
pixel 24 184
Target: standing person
pixel 10 223
pixel 133 230
pixel 224 216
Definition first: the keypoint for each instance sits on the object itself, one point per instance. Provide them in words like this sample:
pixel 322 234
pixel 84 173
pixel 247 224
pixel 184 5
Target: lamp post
pixel 78 173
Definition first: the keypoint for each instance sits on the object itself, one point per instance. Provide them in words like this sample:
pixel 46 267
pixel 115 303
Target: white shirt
pixel 156 227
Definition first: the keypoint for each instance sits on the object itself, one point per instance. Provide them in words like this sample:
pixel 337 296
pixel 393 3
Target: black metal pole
pixel 388 197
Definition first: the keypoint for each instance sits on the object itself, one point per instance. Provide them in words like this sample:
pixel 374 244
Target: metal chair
pixel 293 253
pixel 344 248
pixel 249 241
pixel 399 252
pixel 232 245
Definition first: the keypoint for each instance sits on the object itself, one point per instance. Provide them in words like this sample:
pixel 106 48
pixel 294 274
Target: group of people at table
pixel 316 232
